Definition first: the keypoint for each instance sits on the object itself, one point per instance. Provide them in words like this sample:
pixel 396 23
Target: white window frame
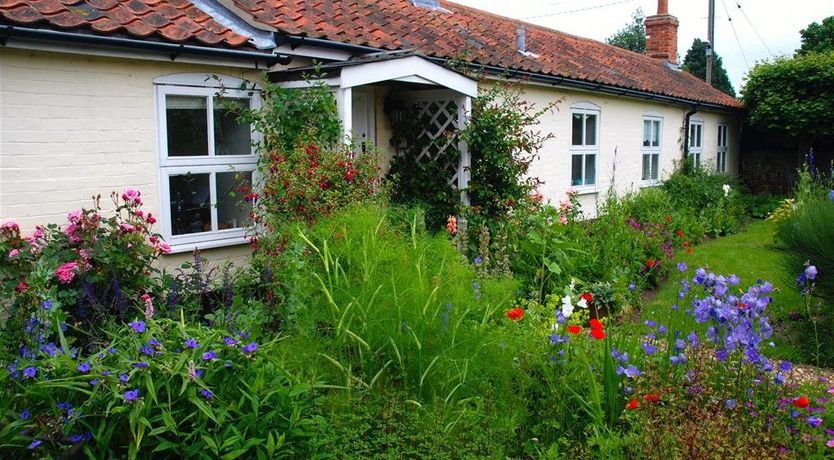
pixel 585 150
pixel 651 150
pixel 200 85
pixel 696 140
pixel 721 155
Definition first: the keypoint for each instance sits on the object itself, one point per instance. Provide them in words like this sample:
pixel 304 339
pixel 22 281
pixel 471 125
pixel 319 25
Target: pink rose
pixel 13 253
pixel 66 272
pixel 39 233
pixel 9 226
pixel 131 196
pixel 127 228
pixel 74 216
pixel 151 219
pixel 164 248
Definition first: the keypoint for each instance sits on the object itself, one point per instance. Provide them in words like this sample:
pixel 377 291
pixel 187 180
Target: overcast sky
pixel 762 26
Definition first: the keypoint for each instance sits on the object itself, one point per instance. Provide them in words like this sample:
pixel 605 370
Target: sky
pixel 758 30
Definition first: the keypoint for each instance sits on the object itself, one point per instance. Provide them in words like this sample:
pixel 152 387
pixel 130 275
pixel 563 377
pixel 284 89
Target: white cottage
pixel 99 95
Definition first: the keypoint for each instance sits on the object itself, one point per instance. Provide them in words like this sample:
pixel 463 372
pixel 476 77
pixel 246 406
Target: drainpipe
pixel 686 131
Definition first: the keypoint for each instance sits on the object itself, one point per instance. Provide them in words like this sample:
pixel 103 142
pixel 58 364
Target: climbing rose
pixel 132 196
pixel 515 314
pixel 66 272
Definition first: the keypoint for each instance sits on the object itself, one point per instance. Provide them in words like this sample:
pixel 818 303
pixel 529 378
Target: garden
pixel 375 320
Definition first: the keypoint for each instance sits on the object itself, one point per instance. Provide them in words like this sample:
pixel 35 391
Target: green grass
pixel 751 255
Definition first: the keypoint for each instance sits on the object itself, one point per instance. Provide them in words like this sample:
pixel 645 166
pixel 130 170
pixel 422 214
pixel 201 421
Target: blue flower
pixel 146 350
pixel 140 365
pixel 131 395
pixel 30 372
pixel 191 343
pixel 138 326
pixel 678 360
pixel 693 339
pixel 785 366
pixel 25 414
pixel 112 350
pixel 84 367
pixel 479 260
pixel 34 445
pixel 251 348
pixel 93 382
pixel 153 342
pixel 811 272
pixel 229 341
pixel 681 266
pixel 650 323
pixel 814 421
pixel 47 304
pixel 64 406
pixel 632 287
pixel 730 404
pixel 124 378
pixel 648 348
pixel 662 330
pixel 779 379
pixel 206 393
pixel 721 355
pixel 209 355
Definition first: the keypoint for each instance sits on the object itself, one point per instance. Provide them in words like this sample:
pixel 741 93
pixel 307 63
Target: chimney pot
pixel 662 7
pixel 662 34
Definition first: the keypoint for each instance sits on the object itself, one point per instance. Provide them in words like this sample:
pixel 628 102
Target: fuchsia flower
pixel 14 253
pixel 66 272
pixel 131 196
pixel 74 216
pixel 164 247
pixel 127 228
pixel 9 226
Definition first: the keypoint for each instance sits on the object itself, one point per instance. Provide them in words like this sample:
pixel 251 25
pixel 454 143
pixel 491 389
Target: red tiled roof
pixel 481 37
pixel 176 21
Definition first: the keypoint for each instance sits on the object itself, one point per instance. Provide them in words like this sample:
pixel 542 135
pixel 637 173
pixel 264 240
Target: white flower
pixel 567 306
pixel 726 188
pixel 582 303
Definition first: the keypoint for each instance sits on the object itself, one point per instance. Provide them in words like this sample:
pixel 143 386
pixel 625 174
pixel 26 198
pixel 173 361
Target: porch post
pixel 344 100
pixel 464 167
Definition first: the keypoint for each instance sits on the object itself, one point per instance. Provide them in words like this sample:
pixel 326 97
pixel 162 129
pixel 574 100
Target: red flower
pixel 632 404
pixel 668 218
pixel 653 397
pixel 574 329
pixel 650 263
pixel 688 250
pixel 588 297
pixel 598 334
pixel 23 286
pixel 515 314
pixel 250 197
pixel 595 324
pixel 801 402
pixel 680 233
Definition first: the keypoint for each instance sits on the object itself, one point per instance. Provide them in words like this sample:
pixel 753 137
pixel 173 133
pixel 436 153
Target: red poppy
pixel 632 404
pixel 650 263
pixel 801 402
pixel 680 233
pixel 588 297
pixel 595 324
pixel 689 250
pixel 515 314
pixel 668 218
pixel 598 334
pixel 574 329
pixel 653 397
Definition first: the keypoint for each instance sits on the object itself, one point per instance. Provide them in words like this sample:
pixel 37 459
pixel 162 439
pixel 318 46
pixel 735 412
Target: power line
pixel 733 27
pixel 594 7
pixel 755 30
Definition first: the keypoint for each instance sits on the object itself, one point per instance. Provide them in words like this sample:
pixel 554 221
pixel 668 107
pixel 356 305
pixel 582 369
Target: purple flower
pixel 632 372
pixel 123 378
pixel 111 350
pixel 785 366
pixel 556 339
pixel 648 348
pixel 140 365
pixel 730 404
pixel 680 345
pixel 251 348
pixel 209 355
pixel 47 304
pixel 681 266
pixel 479 260
pixel 64 406
pixel 25 414
pixel 76 438
pixel 678 360
pixel 138 326
pixel 30 372
pixel 632 287
pixel 154 343
pixel 34 445
pixel 811 272
pixel 84 367
pixel 229 341
pixel 662 329
pixel 206 393
pixel 814 421
pixel 693 339
pixel 146 350
pixel 131 395
pixel 733 280
pixel 191 343
pixel 650 323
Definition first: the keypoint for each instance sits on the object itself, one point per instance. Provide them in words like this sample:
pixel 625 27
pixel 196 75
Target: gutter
pixel 686 131
pixel 298 40
pixel 173 50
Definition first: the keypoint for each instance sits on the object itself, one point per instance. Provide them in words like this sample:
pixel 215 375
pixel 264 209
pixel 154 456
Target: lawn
pixel 751 255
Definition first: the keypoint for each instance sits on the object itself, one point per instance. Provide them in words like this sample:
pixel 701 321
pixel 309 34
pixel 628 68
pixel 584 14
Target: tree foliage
pixel 695 63
pixel 817 37
pixel 793 96
pixel 632 36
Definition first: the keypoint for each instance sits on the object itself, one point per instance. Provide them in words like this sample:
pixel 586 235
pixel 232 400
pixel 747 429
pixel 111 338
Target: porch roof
pixel 403 66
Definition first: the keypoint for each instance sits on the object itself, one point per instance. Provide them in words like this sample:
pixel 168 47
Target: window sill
pixel 649 183
pixel 586 190
pixel 179 248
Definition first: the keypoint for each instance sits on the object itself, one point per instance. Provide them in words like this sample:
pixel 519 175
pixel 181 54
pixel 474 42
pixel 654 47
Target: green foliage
pixel 695 62
pixel 632 36
pixel 712 198
pixel 818 37
pixel 808 236
pixel 793 96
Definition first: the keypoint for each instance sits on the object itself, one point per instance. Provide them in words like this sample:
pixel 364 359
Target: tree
pixel 632 36
pixel 695 63
pixel 793 96
pixel 817 38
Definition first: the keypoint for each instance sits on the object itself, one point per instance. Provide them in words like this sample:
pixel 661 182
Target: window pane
pixel 230 136
pixel 647 133
pixel 655 166
pixel 698 135
pixel 576 170
pixel 655 133
pixel 190 203
pixel 187 125
pixel 576 129
pixel 647 171
pixel 590 169
pixel 232 208
pixel 590 129
pixel 692 135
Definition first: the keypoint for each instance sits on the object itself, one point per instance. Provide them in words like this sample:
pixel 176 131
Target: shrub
pixel 808 236
pixel 711 197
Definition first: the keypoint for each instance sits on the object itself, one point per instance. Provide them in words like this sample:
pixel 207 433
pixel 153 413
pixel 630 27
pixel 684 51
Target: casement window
pixel 584 145
pixel 696 140
pixel 721 158
pixel 207 162
pixel 652 134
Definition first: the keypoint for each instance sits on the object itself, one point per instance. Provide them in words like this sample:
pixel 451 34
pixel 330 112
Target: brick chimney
pixel 662 34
